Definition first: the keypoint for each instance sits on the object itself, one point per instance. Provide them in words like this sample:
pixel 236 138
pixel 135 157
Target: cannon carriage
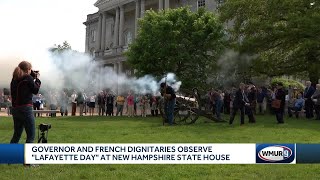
pixel 190 105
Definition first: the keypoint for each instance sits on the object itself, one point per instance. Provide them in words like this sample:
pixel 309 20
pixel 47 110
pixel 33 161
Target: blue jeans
pixel 23 118
pixel 170 110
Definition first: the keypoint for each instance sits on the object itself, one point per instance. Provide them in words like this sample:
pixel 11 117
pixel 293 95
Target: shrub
pixel 287 83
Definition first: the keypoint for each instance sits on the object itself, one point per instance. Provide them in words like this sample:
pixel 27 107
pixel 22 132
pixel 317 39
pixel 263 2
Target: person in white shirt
pixel 92 104
pixel 74 103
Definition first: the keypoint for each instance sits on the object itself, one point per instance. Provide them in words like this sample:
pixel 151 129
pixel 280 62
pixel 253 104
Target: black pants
pixel 109 110
pixel 226 107
pixel 309 108
pixel 36 106
pixel 249 113
pixel 101 109
pixel 279 115
pixel 234 112
pixel 243 110
pixel 154 112
pixel 317 108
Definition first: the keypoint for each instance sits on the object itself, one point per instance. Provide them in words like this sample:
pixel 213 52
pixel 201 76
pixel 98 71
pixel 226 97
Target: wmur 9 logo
pixel 275 153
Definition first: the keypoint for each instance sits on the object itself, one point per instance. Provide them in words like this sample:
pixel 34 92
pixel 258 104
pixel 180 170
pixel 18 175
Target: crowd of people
pixel 251 100
pixel 247 99
pixel 103 103
pixel 5 102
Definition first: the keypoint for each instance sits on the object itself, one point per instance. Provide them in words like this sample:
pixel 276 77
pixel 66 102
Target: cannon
pixel 190 105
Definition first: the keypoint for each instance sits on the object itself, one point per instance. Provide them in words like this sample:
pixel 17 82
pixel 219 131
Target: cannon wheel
pixel 189 117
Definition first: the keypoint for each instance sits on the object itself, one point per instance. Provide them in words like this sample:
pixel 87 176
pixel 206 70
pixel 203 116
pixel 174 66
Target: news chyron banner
pixel 140 154
pixel 159 153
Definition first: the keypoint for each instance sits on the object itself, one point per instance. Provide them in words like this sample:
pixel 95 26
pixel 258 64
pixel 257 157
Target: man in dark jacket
pixel 240 102
pixel 170 100
pixel 109 102
pixel 280 95
pixel 101 103
pixel 308 92
pixel 316 98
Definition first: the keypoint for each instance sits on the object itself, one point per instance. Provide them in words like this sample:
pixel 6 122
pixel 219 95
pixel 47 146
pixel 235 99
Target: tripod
pixel 44 136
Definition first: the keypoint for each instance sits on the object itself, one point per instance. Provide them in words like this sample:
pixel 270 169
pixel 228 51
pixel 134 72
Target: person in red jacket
pixel 23 86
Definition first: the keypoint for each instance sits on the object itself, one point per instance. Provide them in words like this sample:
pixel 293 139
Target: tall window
pixel 93 35
pixel 128 38
pixel 201 3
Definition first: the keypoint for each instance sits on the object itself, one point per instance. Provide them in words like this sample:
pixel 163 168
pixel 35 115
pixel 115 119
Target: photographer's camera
pixel 34 74
pixel 44 127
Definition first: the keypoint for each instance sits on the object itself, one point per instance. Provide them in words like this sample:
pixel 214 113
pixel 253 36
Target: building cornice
pixel 111 4
pixel 91 21
pixel 92 18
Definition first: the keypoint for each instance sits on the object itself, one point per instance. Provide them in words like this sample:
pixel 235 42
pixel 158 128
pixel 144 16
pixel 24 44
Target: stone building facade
pixel 110 30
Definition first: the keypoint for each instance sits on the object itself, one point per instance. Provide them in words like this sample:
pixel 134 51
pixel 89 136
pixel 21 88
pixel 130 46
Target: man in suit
pixel 316 98
pixel 308 92
pixel 240 102
pixel 280 95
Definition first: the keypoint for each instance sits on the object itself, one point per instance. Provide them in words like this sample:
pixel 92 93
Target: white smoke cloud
pixel 232 67
pixel 171 80
pixel 74 70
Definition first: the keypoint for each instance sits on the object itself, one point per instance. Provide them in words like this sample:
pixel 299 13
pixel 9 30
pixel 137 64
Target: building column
pixel 119 67
pixel 115 67
pixel 103 34
pixel 143 4
pixel 137 17
pixel 121 24
pixel 98 38
pixel 166 4
pixel 161 5
pixel 116 29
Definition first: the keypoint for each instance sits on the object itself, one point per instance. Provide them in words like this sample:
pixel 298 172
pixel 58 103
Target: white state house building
pixel 110 30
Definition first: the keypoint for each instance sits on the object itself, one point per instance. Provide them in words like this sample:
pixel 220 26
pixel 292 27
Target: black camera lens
pixel 34 74
pixel 44 127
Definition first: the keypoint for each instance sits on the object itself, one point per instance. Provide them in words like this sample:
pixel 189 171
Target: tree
pixel 59 48
pixel 180 41
pixel 285 34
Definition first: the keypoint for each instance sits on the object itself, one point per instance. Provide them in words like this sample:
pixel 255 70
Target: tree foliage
pixel 180 41
pixel 284 33
pixel 59 48
pixel 288 82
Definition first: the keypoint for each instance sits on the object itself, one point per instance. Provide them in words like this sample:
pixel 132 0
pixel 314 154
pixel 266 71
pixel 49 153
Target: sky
pixel 29 27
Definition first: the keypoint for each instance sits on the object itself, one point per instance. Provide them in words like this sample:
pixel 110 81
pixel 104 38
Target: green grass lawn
pixel 150 130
